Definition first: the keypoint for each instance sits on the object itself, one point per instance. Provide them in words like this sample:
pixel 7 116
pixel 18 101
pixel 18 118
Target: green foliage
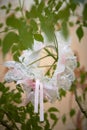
pixel 72 112
pixel 80 32
pixel 14 116
pixel 65 30
pixel 1 25
pixel 83 77
pixel 64 119
pixel 43 17
pixel 62 93
pixel 85 13
pixel 7 8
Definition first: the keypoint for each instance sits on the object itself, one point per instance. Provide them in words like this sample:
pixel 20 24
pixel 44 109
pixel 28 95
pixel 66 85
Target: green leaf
pixel 71 24
pixel 85 12
pixel 32 13
pixel 26 36
pixel 17 9
pixel 12 21
pixel 34 26
pixel 3 88
pixel 58 5
pixel 1 25
pixel 38 37
pixel 17 98
pixel 7 11
pixel 9 5
pixel 83 77
pixel 65 31
pixel 19 88
pixel 53 109
pixel 64 14
pixel 47 27
pixel 64 119
pixel 14 48
pixel 53 116
pixel 8 41
pixel 36 2
pixel 73 5
pixel 3 7
pixel 80 33
pixel 62 93
pixel 72 112
pixel 78 64
pixel 41 7
pixel 16 56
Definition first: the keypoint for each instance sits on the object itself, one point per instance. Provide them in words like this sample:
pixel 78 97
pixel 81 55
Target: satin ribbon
pixel 39 99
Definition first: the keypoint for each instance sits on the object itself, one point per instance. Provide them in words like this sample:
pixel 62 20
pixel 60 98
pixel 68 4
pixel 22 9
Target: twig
pixel 50 67
pixel 50 54
pixel 5 125
pixel 81 108
pixel 38 60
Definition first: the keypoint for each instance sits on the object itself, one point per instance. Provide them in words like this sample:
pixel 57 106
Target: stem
pixel 56 44
pixel 50 67
pixel 21 7
pixel 50 54
pixel 5 125
pixel 7 30
pixel 81 108
pixel 38 59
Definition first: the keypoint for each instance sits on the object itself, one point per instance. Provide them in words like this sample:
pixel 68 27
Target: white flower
pixel 27 71
pixel 29 56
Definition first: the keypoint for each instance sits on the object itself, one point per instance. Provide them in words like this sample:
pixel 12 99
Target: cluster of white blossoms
pixel 37 85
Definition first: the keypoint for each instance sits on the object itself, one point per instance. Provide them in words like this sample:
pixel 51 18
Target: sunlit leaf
pixel 8 41
pixel 12 21
pixel 38 37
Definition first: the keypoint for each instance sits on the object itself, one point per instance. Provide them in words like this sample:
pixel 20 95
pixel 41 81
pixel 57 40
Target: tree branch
pixel 80 106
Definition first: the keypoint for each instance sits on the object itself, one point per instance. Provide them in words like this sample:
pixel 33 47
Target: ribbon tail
pixel 41 103
pixel 36 96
